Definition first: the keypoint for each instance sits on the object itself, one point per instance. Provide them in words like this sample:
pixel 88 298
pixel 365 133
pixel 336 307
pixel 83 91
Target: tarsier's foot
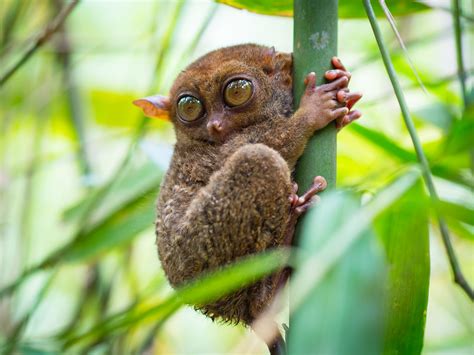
pixel 300 204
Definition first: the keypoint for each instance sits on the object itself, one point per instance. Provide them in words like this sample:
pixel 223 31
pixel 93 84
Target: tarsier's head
pixel 225 91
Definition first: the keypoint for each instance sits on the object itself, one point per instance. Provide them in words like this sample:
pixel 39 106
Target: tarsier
pixel 229 191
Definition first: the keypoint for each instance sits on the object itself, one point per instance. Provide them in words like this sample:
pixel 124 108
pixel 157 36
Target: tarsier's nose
pixel 216 128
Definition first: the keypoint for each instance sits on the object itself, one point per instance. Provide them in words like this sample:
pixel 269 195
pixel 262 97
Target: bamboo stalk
pixel 314 44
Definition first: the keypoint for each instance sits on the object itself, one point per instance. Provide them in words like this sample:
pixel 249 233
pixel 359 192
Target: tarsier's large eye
pixel 238 92
pixel 189 108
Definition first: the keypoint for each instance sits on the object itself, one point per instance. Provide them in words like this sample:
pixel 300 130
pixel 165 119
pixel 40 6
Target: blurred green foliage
pixel 80 169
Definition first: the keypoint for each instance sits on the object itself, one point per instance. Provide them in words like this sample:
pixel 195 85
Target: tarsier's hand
pixel 344 96
pixel 329 102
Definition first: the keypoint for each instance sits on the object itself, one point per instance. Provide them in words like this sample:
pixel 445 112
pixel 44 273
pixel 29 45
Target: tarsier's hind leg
pixel 243 209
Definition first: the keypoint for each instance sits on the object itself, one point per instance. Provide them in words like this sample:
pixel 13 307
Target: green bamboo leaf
pixel 383 142
pixel 116 230
pixel 346 308
pixel 116 225
pixel 456 211
pixel 461 135
pixel 446 170
pixel 339 235
pixel 128 188
pixel 206 289
pixel 460 229
pixel 404 232
pixel 438 114
pixel 347 8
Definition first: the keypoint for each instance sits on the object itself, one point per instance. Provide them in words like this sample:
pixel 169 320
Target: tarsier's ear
pixel 268 60
pixel 283 61
pixel 155 106
pixel 276 61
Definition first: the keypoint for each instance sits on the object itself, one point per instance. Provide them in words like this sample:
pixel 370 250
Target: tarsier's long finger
pixel 352 116
pixel 337 73
pixel 337 64
pixel 347 119
pixel 349 98
pixel 339 112
pixel 310 81
pixel 336 84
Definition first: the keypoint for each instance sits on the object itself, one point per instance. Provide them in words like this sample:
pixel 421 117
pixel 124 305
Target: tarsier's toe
pixel 347 119
pixel 293 196
pixel 320 182
pixel 309 197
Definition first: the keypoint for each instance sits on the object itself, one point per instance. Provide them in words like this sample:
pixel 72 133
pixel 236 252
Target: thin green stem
pixel 18 330
pixel 12 15
pixel 74 104
pixel 456 11
pixel 462 75
pixel 464 16
pixel 457 273
pixel 44 37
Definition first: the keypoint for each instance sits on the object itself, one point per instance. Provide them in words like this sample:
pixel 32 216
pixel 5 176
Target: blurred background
pixel 80 167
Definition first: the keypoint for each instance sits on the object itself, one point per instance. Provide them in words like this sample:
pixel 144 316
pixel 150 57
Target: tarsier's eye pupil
pixel 190 108
pixel 238 92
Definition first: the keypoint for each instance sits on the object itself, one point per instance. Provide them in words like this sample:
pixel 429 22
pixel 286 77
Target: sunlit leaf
pixel 208 288
pixel 404 231
pixel 393 149
pixel 461 136
pixel 437 114
pixel 329 244
pixel 456 211
pixel 347 8
pixel 130 186
pixel 116 230
pixel 346 308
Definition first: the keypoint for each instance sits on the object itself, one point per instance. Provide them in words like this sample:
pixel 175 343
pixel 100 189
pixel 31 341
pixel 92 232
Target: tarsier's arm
pixel 319 106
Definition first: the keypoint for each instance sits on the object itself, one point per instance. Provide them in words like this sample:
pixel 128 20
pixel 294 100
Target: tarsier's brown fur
pixel 226 195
